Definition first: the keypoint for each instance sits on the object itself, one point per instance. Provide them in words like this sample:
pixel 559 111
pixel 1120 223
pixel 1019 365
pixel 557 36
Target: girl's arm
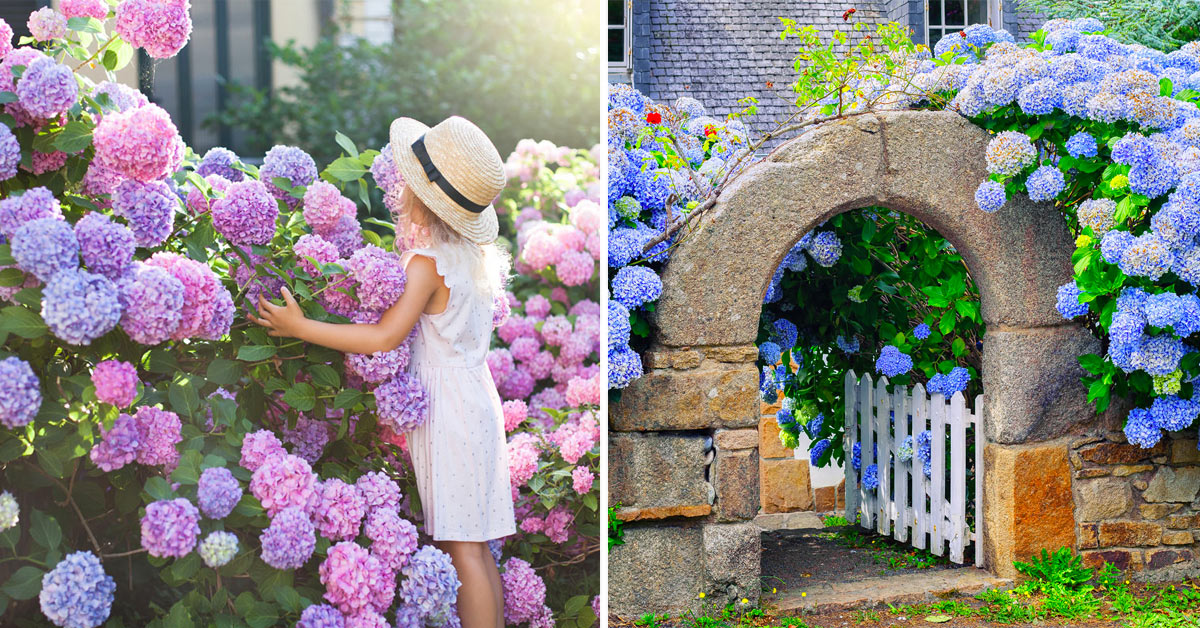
pixel 391 330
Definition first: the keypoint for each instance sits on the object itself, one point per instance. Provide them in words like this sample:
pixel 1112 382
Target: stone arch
pixel 701 383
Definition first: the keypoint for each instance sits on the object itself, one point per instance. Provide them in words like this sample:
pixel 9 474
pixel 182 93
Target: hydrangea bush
pixel 167 462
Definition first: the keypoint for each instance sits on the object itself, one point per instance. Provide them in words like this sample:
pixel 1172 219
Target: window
pixel 618 34
pixel 948 17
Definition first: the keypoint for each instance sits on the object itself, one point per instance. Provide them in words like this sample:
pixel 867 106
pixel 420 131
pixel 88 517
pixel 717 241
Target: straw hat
pixel 455 170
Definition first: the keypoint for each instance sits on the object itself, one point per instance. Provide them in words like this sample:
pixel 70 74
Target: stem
pixel 97 53
pixel 123 554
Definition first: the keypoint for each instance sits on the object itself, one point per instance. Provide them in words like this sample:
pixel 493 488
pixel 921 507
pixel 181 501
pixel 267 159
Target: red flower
pixel 654 117
pixel 962 34
pixel 709 130
pixel 847 14
pixel 770 85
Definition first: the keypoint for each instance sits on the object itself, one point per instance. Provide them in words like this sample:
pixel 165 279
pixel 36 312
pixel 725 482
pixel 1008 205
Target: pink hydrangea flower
pixel 393 539
pixel 558 524
pixel 314 246
pixel 537 306
pixel 525 348
pixel 6 35
pixel 203 296
pixel 158 433
pixel 516 327
pixel 542 250
pixel 116 382
pixel 582 480
pixel 341 510
pixel 47 162
pixel 198 202
pixel 257 447
pixel 141 144
pixel 588 217
pixel 500 363
pixel 324 206
pixel 539 364
pixel 355 580
pixel 84 8
pixel 46 24
pixel 556 330
pixel 162 27
pixel 576 437
pixel 532 524
pixel 583 392
pixel 282 481
pixel 515 413
pixel 523 454
pixel 575 268
pixel 524 595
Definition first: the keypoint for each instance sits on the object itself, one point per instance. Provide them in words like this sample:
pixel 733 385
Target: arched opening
pixel 702 375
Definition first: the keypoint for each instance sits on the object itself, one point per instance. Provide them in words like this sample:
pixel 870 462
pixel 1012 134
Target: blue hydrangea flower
pixel 1040 97
pixel 924 447
pixel 1075 97
pixel 1173 414
pixel 921 331
pixel 79 306
pixel 1177 223
pixel 45 246
pixel 1163 309
pixel 870 477
pixel 784 333
pixel 1045 183
pixel 814 425
pixel 856 456
pixel 624 366
pixel 1141 430
pixel 847 345
pixel 904 452
pixel 1153 181
pixel 818 449
pixel 949 383
pixel 618 325
pixel 634 286
pixel 625 246
pixel 624 95
pixel 1063 40
pixel 1189 316
pixel 785 417
pixel 795 259
pixel 1147 256
pixel 1082 145
pixel 20 392
pixel 652 187
pixel 1009 153
pixel 825 248
pixel 1114 244
pixel 1159 355
pixel 1068 301
pixel 769 352
pixel 990 196
pixel 893 362
pixel 77 592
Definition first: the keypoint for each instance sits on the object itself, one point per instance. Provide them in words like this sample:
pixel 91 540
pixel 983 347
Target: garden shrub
pixel 164 461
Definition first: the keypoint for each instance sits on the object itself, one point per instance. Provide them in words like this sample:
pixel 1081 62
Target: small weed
pixel 651 620
pixel 833 521
pixel 791 622
pixel 866 617
pixel 1060 568
pixel 1071 603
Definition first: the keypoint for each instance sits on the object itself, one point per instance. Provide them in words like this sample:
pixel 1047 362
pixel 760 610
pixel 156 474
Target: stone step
pixel 902 589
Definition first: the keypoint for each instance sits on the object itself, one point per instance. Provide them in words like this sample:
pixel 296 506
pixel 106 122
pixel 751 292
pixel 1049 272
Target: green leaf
pixel 255 353
pixel 288 599
pixel 346 143
pixel 186 567
pixel 941 619
pixel 183 396
pixel 325 375
pixel 6 258
pixel 45 530
pixel 946 325
pixel 11 277
pixel 7 97
pixel 85 25
pixel 179 617
pixel 346 398
pixel 262 615
pixel 223 372
pixel 22 321
pixel 51 462
pixel 159 489
pixel 346 169
pixel 76 136
pixel 24 584
pixel 301 397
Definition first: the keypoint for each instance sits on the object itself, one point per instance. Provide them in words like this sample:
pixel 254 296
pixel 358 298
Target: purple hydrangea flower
pixel 321 616
pixel 159 431
pixel 107 247
pixel 430 584
pixel 20 392
pixel 402 403
pixel 379 491
pixel 524 595
pixel 149 209
pixel 380 276
pixel 45 246
pixel 34 203
pixel 151 302
pixel 79 307
pixel 218 548
pixel 47 89
pixel 990 196
pixel 121 96
pixel 893 362
pixel 219 161
pixel 379 366
pixel 170 528
pixel 290 540
pixel 77 592
pixel 340 511
pixel 247 213
pixel 118 446
pixel 162 27
pixel 283 481
pixel 10 152
pixel 308 439
pixel 383 168
pixel 218 492
pixel 288 162
pixel 393 539
pixel 116 382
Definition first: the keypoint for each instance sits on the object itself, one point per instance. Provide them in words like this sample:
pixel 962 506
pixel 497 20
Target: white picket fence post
pixel 904 497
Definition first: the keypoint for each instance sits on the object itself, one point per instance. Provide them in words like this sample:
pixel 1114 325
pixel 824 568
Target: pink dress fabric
pixel 460 454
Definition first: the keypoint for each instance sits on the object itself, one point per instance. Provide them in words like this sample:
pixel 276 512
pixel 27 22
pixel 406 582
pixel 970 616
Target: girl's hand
pixel 285 320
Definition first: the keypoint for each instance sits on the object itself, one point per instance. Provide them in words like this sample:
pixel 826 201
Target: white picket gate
pixel 905 499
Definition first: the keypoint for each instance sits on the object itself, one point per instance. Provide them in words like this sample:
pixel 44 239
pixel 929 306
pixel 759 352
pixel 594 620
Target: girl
pixel 452 172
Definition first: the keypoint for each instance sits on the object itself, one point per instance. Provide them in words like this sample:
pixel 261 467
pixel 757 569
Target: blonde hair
pixel 419 227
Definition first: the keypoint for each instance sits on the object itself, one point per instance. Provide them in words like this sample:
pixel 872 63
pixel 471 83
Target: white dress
pixel 460 454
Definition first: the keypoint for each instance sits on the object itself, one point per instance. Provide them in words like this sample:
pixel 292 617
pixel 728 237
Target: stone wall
pixel 1138 508
pixel 787 480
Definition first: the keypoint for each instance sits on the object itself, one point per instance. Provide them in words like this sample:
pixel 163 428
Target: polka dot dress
pixel 460 455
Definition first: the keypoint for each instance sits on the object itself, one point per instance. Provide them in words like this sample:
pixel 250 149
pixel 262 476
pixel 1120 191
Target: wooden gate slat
pixel 883 420
pixel 901 476
pixel 866 424
pixel 850 437
pixel 977 417
pixel 937 530
pixel 958 476
pixel 920 422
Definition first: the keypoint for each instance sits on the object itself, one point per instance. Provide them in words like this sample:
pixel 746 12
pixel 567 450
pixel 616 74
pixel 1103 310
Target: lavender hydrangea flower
pixel 1068 304
pixel 77 593
pixel 118 446
pixel 990 196
pixel 340 511
pixel 46 24
pixel 383 169
pixel 218 492
pixel 290 540
pixel 151 302
pixel 107 247
pixel 149 209
pixel 170 528
pixel 308 439
pixel 379 366
pixel 220 161
pixel 288 162
pixel 47 89
pixel 20 393
pixel 402 403
pixel 10 153
pixel 45 246
pixel 34 203
pixel 79 307
pixel 379 491
pixel 116 382
pixel 380 275
pixel 321 616
pixel 246 214
pixel 430 584
pixel 634 286
pixel 218 548
pixel 893 362
pixel 159 432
